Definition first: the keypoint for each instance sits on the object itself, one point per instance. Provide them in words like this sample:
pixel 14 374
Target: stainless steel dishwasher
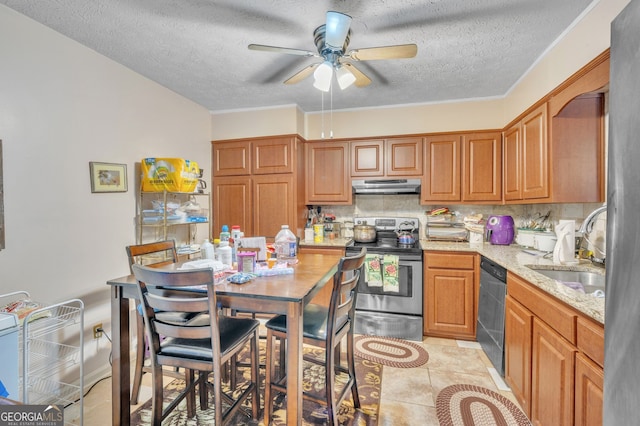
pixel 491 312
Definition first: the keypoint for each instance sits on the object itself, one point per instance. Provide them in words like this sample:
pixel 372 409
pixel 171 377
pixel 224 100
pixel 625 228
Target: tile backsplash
pixel 409 205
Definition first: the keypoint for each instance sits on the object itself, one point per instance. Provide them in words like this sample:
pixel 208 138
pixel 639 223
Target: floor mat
pixel 390 351
pixel 467 405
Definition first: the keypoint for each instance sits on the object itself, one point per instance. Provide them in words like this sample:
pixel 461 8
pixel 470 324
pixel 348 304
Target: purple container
pixel 500 230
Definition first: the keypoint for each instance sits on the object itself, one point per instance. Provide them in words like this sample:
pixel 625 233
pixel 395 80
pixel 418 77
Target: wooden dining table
pixel 278 294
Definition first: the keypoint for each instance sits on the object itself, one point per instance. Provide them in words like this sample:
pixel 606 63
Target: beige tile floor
pixel 408 395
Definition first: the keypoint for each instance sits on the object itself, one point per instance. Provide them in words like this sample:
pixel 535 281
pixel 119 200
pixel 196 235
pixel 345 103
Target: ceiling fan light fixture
pixel 345 77
pixel 336 29
pixel 323 75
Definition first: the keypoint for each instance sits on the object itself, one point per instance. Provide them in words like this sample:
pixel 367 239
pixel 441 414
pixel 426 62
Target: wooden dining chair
pixel 325 328
pixel 233 368
pixel 154 254
pixel 202 345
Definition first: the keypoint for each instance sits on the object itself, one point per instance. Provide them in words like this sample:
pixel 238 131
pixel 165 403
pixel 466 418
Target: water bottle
pixel 224 253
pixel 286 245
pixel 206 250
pixel 225 234
pixel 236 234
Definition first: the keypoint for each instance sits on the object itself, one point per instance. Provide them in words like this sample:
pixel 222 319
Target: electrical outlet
pixel 97 331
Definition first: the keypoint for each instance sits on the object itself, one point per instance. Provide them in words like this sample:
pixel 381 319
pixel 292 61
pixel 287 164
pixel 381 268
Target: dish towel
pixel 390 274
pixel 372 273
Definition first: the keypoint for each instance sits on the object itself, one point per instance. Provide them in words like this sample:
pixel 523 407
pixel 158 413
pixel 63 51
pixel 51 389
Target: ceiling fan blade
pixel 336 29
pixel 274 49
pixel 361 79
pixel 302 74
pixel 399 51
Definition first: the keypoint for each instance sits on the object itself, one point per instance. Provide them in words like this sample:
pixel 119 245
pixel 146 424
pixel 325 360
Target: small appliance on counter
pixel 444 226
pixel 500 229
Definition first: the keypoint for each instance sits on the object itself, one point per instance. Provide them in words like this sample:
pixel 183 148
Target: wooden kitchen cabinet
pixel 441 181
pixel 482 167
pixel 395 157
pixel 450 294
pixel 526 158
pixel 231 158
pixel 273 155
pixel 552 377
pixel 518 328
pixel 588 392
pixel 553 357
pixel 512 164
pixel 274 203
pixel 577 151
pixel 327 173
pixel 263 194
pixel 232 203
pixel 367 158
pixel 589 373
pixel 463 167
pixel 403 157
pixel 555 152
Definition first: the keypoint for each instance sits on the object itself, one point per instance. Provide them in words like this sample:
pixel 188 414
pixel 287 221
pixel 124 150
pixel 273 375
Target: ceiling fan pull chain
pixel 322 115
pixel 331 112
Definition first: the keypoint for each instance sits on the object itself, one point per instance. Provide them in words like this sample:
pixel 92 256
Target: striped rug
pixel 390 351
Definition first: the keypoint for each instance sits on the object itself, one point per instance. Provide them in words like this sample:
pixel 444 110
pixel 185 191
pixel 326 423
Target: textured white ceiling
pixel 466 48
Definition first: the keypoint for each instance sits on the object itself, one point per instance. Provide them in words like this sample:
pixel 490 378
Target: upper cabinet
pixel 576 131
pixel 463 168
pixel 367 158
pixel 232 158
pixel 482 167
pixel 397 157
pixel 442 177
pixel 555 152
pixel 327 173
pixel 258 184
pixel 273 155
pixel 526 161
pixel 577 149
pixel 261 156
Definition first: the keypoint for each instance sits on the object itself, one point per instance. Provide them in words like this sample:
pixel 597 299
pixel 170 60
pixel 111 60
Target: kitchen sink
pixel 591 281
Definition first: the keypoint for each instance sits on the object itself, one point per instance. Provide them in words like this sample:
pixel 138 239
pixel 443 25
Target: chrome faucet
pixel 586 228
pixel 587 225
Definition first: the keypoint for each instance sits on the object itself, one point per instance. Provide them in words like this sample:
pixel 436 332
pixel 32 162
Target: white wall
pixel 63 105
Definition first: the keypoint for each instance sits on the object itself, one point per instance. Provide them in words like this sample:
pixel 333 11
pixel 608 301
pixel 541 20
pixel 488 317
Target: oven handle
pixel 402 257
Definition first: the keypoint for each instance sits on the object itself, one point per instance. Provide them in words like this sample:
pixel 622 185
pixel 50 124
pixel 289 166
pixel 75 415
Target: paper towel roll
pixel 564 250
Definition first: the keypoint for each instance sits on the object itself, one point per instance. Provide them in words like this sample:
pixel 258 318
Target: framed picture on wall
pixel 108 177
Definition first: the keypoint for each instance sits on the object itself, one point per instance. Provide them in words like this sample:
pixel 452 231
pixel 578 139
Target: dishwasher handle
pixel 495 270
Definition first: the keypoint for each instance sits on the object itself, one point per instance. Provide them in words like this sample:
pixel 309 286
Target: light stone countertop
pixel 515 260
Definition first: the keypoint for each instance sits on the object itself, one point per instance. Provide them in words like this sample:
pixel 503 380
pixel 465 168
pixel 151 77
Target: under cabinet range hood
pixel 386 186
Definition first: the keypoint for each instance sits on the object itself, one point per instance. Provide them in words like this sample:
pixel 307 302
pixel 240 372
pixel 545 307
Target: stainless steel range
pixel 392 313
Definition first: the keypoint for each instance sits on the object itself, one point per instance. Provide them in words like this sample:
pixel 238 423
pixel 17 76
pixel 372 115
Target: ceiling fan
pixel 332 40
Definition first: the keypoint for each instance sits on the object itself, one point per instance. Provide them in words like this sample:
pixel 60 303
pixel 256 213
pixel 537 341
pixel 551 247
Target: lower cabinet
pixel 553 358
pixel 518 324
pixel 552 377
pixel 589 385
pixel 450 294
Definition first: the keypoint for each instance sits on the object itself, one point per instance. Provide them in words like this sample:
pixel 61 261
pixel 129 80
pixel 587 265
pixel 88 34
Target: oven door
pixel 408 300
pixel 393 314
